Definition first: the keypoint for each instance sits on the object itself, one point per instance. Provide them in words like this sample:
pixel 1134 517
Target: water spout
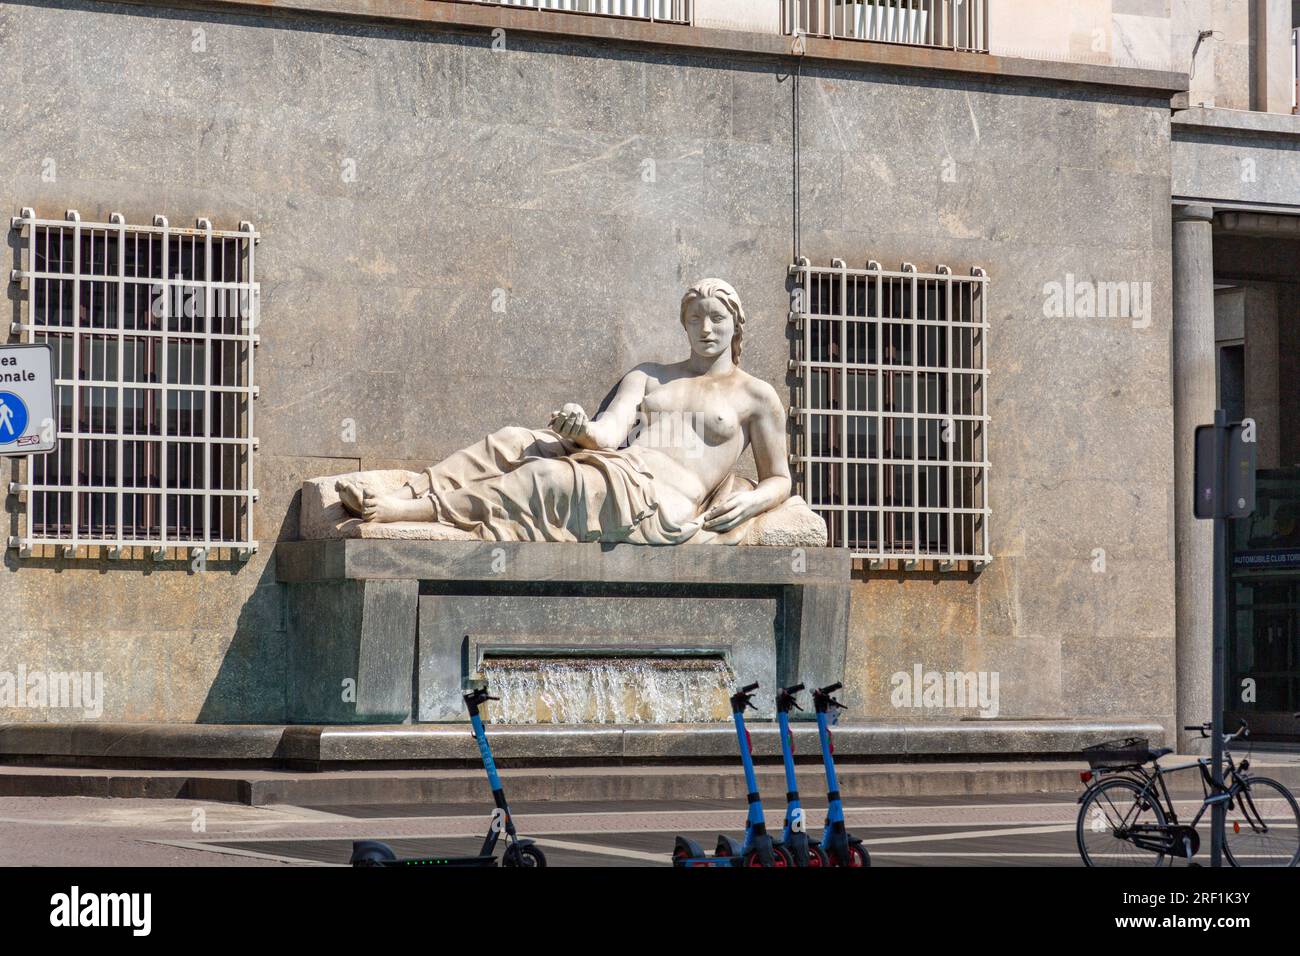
pixel 608 690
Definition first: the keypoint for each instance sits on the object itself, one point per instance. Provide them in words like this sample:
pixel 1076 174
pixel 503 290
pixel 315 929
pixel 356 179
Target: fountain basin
pixel 404 623
pixel 607 686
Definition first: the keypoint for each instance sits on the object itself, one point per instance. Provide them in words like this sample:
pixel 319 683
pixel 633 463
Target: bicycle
pixel 1127 817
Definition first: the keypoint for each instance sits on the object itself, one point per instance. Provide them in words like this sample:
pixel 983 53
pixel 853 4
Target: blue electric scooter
pixel 794 836
pixel 757 848
pixel 841 847
pixel 517 853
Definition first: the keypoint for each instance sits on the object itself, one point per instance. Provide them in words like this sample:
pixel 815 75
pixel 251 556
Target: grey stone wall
pixel 1224 154
pixel 523 170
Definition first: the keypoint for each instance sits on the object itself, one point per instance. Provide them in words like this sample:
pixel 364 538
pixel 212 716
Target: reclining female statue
pixel 655 467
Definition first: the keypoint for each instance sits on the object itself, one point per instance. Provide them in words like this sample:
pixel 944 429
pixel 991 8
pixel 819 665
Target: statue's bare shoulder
pixel 764 402
pixel 654 373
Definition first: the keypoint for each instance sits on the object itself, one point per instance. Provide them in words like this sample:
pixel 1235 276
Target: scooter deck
pixel 444 861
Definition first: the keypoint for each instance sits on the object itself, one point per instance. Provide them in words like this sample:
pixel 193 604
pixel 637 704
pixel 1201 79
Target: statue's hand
pixel 733 510
pixel 572 422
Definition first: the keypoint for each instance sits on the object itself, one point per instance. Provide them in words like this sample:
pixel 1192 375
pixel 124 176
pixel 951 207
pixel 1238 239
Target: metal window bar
pixel 665 11
pixel 890 446
pixel 961 25
pixel 142 459
pixel 1295 70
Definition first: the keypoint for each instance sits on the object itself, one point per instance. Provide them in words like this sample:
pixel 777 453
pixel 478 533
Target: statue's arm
pixel 767 436
pixel 610 428
pixel 766 425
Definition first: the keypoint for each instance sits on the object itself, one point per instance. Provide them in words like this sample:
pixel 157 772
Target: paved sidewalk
pixel 916 829
pixel 924 831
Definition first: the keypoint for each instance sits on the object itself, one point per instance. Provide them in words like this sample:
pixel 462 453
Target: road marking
pixel 233 851
pixel 664 858
pixel 918 853
pixel 970 835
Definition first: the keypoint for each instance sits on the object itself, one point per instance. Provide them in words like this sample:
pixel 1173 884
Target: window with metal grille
pixel 671 11
pixel 949 24
pixel 152 330
pixel 890 425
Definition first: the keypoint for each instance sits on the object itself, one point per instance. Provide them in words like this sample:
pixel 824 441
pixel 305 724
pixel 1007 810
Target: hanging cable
pixel 797 47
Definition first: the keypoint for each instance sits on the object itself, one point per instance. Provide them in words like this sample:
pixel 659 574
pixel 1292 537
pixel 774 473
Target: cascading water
pixel 608 690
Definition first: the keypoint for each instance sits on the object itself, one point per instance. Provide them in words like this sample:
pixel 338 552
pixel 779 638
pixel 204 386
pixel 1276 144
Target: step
pixel 181 746
pixel 576 784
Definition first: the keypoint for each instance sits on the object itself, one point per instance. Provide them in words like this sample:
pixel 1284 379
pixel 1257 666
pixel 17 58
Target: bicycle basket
pixel 1117 754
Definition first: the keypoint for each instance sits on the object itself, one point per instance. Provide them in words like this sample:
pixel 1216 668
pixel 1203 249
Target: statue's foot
pixel 352 496
pixel 361 500
pixel 390 508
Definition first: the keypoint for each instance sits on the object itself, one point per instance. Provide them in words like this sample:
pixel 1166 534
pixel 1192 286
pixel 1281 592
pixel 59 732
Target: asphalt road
pixel 1034 830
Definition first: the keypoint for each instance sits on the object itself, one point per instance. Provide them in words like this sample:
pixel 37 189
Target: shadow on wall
pixel 251 685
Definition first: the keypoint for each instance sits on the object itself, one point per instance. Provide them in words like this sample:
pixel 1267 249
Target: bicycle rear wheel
pixel 1106 820
pixel 1262 825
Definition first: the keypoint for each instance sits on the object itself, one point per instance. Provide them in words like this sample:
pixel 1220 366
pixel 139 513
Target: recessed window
pixel 890 415
pixel 672 11
pixel 949 24
pixel 152 329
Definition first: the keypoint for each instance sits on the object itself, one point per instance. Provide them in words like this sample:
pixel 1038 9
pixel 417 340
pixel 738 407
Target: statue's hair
pixel 724 293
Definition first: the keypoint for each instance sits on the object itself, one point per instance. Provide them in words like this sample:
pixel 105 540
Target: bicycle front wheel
pixel 1107 820
pixel 1262 825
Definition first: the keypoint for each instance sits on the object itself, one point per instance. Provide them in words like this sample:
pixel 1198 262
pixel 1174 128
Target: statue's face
pixel 709 326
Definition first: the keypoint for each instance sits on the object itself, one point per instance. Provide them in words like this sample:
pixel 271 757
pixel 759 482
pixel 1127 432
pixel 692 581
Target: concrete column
pixel 1195 396
pixel 1272 53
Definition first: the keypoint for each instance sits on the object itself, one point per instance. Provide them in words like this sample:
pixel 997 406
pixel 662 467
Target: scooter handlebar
pixel 831 689
pixel 741 698
pixel 786 699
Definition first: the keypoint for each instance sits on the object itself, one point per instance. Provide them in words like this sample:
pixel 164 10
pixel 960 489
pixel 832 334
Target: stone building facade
pixel 470 214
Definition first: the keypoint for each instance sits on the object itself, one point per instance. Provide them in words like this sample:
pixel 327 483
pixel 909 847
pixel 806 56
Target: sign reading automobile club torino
pixel 26 399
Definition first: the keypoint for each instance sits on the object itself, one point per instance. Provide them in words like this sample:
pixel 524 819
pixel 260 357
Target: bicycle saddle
pixel 1159 752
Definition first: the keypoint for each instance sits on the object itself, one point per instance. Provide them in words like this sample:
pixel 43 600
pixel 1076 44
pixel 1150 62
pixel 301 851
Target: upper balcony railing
pixel 950 24
pixel 1295 70
pixel 667 11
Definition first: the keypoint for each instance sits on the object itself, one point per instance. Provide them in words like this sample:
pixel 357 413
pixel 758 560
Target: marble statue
pixel 655 467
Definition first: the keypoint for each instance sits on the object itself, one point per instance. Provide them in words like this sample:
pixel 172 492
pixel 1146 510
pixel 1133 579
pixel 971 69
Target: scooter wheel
pixel 817 857
pixel 779 858
pixel 858 855
pixel 523 856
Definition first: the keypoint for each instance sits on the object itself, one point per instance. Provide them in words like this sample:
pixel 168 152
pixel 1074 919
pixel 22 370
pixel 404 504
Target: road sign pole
pixel 1225 458
pixel 1217 811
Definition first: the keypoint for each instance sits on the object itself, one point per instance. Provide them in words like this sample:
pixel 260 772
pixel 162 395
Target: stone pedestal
pixel 407 621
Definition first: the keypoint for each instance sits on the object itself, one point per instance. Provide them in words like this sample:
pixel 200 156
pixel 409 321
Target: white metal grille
pixel 153 332
pixel 669 11
pixel 950 24
pixel 891 431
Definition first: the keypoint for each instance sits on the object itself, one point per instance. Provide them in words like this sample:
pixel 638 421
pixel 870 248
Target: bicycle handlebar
pixel 1243 730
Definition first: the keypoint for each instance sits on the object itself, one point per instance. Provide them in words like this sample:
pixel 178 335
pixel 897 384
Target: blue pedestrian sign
pixel 27 424
pixel 13 418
